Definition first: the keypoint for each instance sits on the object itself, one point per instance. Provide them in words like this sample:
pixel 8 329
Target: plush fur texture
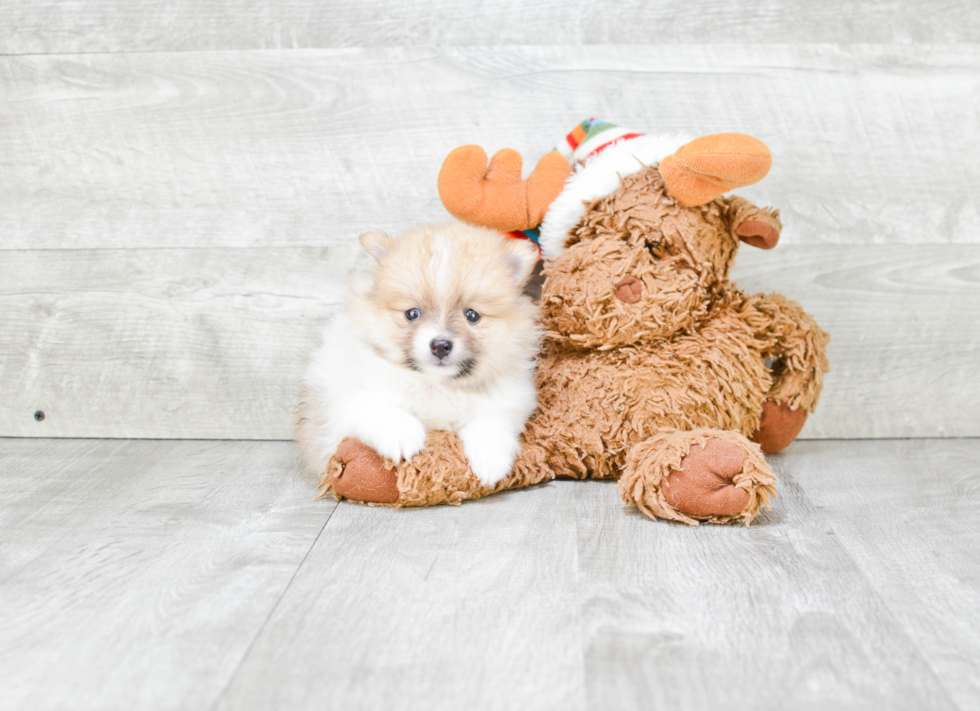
pixel 664 389
pixel 599 177
pixel 438 335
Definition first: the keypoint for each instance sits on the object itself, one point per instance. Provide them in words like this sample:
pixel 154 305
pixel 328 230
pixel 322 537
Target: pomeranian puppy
pixel 437 335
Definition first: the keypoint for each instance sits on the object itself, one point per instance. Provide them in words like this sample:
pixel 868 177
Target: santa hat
pixel 601 154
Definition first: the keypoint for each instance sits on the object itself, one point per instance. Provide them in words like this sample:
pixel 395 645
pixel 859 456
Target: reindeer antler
pixel 494 196
pixel 709 166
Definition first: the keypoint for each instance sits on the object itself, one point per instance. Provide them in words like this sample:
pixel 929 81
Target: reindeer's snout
pixel 629 290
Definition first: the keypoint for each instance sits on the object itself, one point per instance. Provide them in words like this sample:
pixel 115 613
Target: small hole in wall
pixel 39 415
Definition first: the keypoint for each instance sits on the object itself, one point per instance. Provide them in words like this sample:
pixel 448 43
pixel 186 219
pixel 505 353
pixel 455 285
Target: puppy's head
pixel 447 301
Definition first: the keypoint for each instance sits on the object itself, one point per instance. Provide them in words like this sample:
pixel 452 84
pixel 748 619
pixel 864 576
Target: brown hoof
pixel 358 473
pixel 778 426
pixel 702 486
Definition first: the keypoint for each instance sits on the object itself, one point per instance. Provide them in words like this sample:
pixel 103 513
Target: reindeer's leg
pixel 698 475
pixel 439 474
pixel 359 473
pixel 798 357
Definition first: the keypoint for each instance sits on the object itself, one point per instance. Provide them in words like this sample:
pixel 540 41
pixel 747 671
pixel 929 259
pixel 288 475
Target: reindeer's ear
pixel 758 234
pixel 494 195
pixel 376 243
pixel 710 166
pixel 756 226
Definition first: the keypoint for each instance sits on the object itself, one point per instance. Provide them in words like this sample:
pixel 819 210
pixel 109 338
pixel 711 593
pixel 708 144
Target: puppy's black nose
pixel 440 347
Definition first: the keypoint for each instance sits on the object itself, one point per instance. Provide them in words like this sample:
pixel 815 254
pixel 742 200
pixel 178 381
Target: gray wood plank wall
pixel 52 26
pixel 179 195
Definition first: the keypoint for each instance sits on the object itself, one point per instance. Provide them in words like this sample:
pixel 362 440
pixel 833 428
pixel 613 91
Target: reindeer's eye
pixel 412 314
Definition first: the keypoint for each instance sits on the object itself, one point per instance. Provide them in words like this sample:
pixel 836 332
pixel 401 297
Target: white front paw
pixel 491 453
pixel 395 434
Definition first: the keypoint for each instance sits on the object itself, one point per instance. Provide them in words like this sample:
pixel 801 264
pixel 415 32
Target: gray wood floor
pixel 188 574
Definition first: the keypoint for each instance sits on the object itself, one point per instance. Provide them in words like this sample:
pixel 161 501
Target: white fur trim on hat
pixel 599 177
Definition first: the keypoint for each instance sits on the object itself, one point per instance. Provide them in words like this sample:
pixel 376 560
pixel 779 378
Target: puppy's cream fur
pixel 376 377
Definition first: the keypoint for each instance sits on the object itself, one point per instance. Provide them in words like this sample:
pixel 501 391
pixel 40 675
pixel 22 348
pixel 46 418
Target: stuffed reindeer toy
pixel 655 369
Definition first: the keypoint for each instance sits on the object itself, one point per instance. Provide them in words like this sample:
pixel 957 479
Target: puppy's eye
pixel 472 316
pixel 412 314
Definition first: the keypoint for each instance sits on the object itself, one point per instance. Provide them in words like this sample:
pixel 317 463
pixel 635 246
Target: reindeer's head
pixel 635 247
pixel 639 267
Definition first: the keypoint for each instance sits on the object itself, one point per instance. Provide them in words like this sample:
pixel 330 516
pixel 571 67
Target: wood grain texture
pixel 174 575
pixel 904 340
pixel 873 144
pixel 475 607
pixel 466 607
pixel 136 574
pixel 212 343
pixel 906 514
pixel 161 343
pixel 48 26
pixel 782 614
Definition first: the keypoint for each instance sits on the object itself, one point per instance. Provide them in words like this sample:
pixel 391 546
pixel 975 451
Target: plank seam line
pixel 211 50
pixel 272 611
pixel 433 46
pixel 110 438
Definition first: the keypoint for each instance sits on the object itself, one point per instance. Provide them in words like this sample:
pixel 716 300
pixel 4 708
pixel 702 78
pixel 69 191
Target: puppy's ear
pixel 376 243
pixel 521 255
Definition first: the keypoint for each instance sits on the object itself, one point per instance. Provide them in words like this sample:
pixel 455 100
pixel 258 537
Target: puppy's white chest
pixel 442 408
